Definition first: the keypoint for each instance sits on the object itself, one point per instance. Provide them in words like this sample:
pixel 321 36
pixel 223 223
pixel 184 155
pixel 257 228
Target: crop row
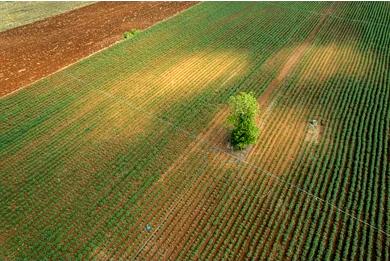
pixel 333 170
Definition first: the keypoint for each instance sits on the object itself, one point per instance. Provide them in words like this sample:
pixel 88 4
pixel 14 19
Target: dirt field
pixel 30 52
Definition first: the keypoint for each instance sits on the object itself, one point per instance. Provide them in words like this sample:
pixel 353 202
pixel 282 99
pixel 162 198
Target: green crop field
pixel 15 13
pixel 135 136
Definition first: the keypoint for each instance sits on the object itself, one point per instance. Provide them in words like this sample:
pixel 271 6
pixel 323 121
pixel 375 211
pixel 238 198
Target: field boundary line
pixel 40 19
pixel 92 54
pixel 60 70
pixel 103 49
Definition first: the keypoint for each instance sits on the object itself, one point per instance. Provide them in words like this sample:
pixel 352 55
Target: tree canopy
pixel 244 109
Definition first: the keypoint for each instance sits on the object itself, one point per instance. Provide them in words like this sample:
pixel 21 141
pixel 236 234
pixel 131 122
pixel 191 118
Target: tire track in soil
pixel 266 98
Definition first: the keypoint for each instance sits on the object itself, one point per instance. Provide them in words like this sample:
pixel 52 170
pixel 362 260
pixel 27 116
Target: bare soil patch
pixel 30 52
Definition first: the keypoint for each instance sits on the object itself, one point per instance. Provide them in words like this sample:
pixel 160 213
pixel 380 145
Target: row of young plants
pixel 371 14
pixel 364 165
pixel 318 166
pixel 249 226
pixel 74 243
pixel 52 160
pixel 219 213
pixel 311 248
pixel 313 184
pixel 315 170
pixel 196 235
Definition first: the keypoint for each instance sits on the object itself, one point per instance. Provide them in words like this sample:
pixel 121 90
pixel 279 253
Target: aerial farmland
pixel 117 130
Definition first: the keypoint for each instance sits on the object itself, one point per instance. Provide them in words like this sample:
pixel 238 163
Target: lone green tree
pixel 244 109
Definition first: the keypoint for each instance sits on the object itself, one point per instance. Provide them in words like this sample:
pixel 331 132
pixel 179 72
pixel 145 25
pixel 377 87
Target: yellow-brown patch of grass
pixel 279 141
pixel 335 59
pixel 186 78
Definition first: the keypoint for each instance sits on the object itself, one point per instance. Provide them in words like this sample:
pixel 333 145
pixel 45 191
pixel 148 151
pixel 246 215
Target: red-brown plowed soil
pixel 30 52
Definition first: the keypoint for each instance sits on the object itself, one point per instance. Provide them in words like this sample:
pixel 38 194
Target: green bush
pixel 131 33
pixel 244 109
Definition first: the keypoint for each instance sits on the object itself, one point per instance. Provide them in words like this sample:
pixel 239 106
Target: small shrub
pixel 244 109
pixel 130 34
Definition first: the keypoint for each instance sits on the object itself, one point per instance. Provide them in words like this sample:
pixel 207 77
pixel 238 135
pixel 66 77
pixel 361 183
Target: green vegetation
pixel 92 154
pixel 14 14
pixel 244 109
pixel 130 34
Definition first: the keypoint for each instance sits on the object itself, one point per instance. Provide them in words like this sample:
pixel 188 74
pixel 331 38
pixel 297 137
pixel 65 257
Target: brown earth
pixel 33 51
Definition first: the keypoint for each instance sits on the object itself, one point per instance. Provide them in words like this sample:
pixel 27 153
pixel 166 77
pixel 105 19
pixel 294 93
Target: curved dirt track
pixel 33 51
